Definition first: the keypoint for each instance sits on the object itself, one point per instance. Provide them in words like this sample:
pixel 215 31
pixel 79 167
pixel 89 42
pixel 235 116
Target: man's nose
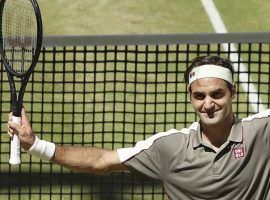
pixel 209 103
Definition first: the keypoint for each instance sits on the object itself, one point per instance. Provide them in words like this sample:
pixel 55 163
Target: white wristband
pixel 42 149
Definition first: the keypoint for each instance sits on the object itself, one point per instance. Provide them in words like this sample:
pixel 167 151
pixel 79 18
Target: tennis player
pixel 218 157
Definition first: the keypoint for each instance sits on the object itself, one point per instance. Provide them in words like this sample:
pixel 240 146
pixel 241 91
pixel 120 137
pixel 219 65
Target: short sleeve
pixel 147 157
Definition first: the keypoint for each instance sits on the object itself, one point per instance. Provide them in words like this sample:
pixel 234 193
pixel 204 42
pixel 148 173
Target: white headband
pixel 210 71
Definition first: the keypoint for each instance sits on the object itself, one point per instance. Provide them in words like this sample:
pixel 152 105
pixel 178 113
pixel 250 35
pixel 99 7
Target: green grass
pixel 245 16
pixel 89 17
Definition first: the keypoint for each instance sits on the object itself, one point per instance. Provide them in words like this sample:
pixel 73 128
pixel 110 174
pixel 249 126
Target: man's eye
pixel 199 96
pixel 217 95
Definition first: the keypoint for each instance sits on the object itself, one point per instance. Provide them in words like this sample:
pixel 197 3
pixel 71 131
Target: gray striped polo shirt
pixel 189 169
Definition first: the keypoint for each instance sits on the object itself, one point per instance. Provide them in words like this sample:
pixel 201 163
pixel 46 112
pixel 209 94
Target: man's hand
pixel 24 131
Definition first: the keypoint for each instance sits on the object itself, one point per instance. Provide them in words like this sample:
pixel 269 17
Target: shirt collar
pixel 236 133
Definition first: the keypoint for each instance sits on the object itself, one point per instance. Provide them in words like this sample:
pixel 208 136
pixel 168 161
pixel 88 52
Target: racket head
pixel 20 35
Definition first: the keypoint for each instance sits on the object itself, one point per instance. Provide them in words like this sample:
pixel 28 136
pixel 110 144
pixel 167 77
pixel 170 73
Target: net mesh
pixel 112 96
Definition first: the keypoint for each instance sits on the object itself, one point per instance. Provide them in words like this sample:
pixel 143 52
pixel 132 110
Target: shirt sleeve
pixel 147 157
pixel 260 124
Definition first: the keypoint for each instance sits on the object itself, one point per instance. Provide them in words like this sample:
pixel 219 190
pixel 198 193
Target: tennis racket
pixel 20 45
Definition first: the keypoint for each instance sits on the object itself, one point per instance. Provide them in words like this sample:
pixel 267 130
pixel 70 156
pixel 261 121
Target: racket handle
pixel 15 147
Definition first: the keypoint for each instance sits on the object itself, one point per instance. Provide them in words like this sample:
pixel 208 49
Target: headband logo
pixel 191 74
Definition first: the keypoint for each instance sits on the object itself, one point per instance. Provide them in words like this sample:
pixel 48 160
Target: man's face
pixel 212 100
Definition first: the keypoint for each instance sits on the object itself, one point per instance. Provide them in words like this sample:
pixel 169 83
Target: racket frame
pixel 17 97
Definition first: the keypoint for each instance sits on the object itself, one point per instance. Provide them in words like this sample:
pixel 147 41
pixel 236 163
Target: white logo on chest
pixel 239 152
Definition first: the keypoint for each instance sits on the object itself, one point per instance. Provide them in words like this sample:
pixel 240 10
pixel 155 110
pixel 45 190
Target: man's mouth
pixel 211 115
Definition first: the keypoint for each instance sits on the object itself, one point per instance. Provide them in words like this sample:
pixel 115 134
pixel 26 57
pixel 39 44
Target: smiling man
pixel 212 90
pixel 218 157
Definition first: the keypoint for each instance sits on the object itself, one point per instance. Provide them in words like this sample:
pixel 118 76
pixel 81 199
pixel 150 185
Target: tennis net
pixel 111 91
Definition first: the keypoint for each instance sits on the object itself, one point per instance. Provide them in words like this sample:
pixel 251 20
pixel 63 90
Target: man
pixel 219 157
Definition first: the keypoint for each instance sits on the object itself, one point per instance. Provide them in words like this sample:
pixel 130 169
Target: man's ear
pixel 233 90
pixel 189 92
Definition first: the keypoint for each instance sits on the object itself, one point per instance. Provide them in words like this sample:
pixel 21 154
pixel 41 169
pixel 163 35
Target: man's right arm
pixel 88 159
pixel 84 159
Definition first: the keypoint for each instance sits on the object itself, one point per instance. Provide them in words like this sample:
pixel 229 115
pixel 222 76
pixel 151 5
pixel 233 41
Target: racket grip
pixel 15 147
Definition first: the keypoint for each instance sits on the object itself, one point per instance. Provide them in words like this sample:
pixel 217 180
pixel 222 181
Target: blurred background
pixel 105 17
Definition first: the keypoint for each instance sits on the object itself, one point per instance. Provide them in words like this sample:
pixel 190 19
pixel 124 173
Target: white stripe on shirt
pixel 126 153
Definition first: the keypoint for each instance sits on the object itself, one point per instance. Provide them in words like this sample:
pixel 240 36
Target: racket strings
pixel 19 34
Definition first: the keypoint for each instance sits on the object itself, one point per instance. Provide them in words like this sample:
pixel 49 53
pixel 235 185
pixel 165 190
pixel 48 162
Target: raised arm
pixel 84 159
pixel 88 159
